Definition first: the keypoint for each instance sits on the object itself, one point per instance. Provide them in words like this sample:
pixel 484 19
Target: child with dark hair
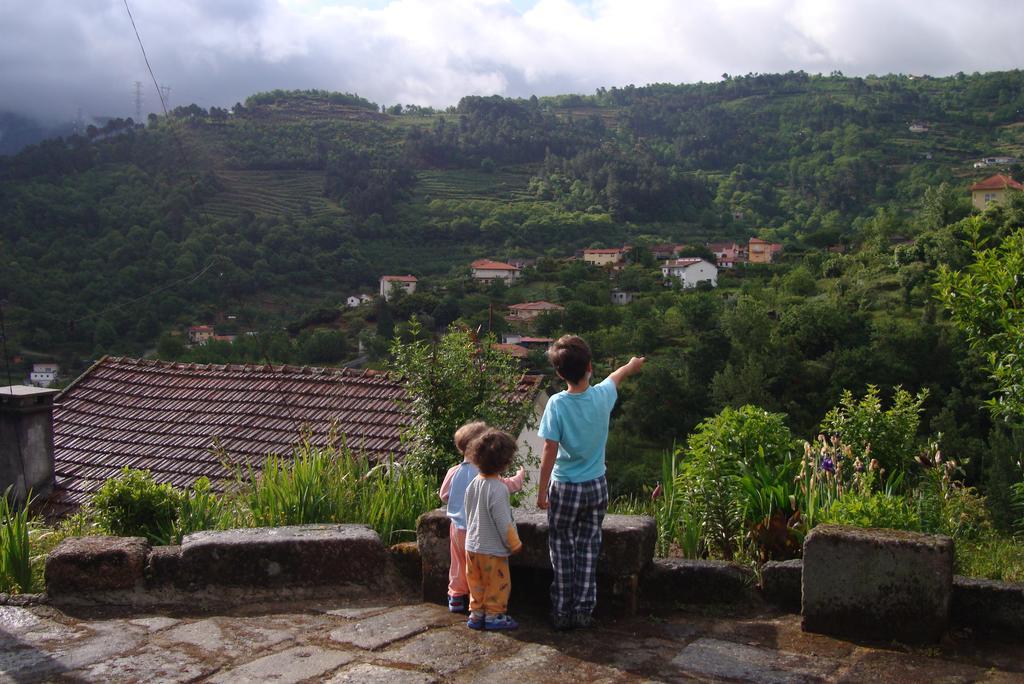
pixel 491 535
pixel 572 484
pixel 453 493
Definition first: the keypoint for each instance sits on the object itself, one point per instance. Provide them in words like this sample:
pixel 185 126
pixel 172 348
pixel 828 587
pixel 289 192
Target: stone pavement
pixel 362 640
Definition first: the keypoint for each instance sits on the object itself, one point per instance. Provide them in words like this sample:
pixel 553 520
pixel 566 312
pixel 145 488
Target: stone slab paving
pixel 359 640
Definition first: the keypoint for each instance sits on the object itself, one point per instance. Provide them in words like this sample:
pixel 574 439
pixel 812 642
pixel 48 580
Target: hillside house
pixel 487 271
pixel 665 251
pixel 761 251
pixel 358 300
pixel 605 257
pixel 527 311
pixel 43 374
pixel 200 334
pixel 390 283
pixel 518 351
pixel 994 189
pixel 995 161
pixel 690 272
pixel 183 421
pixel 621 297
pixel 728 254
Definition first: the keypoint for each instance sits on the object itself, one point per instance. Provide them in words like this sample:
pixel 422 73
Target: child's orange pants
pixel 489 582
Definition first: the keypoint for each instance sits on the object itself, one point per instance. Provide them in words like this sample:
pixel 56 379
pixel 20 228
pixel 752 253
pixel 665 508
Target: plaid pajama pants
pixel 575 513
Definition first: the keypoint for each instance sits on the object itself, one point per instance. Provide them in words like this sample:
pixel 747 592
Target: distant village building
pixel 356 300
pixel 621 297
pixel 918 127
pixel 488 271
pixel 761 251
pixel 995 161
pixel 224 338
pixel 527 311
pixel 666 251
pixel 728 254
pixel 993 189
pixel 200 334
pixel 43 374
pixel 388 283
pixel 605 257
pixel 691 271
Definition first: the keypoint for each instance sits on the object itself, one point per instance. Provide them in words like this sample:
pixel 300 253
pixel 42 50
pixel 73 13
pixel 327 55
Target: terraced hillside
pixel 270 193
pixel 462 184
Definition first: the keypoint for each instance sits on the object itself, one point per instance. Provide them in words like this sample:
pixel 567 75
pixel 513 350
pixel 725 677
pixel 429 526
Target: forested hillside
pixel 264 217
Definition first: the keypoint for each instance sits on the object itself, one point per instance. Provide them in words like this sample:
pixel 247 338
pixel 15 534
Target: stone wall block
pixel 877 584
pixel 780 583
pixel 82 565
pixel 678 580
pixel 994 608
pixel 296 556
pixel 163 567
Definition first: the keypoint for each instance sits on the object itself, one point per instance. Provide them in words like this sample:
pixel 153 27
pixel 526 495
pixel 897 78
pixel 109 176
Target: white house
pixel 355 300
pixel 43 374
pixel 488 271
pixel 388 282
pixel 691 271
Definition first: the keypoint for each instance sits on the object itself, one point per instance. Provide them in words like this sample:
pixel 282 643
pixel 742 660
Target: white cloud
pixel 56 55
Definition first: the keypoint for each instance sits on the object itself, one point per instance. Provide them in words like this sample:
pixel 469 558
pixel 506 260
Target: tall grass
pixel 335 485
pixel 15 560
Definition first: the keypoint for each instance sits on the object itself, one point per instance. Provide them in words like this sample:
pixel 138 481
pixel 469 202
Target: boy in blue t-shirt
pixel 572 484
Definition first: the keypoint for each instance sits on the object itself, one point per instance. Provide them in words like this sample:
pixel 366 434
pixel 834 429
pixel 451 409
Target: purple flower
pixel 827 464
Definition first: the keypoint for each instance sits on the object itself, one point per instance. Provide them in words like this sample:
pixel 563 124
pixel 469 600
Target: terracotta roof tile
pixel 184 421
pixel 997 182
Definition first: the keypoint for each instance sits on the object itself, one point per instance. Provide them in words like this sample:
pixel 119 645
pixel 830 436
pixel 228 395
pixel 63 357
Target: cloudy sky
pixel 59 55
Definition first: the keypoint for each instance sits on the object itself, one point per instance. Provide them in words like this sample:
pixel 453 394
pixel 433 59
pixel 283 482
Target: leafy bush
pixel 991 558
pixel 134 505
pixel 946 506
pixel 719 452
pixel 888 435
pixel 874 509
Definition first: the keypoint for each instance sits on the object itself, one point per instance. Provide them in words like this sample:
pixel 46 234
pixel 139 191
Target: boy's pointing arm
pixel 631 368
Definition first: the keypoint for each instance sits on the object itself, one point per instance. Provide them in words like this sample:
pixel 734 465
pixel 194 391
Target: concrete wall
pixel 26 440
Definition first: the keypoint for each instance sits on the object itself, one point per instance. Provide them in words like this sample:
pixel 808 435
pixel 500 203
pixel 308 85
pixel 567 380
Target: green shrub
pixel 994 558
pixel 889 435
pixel 720 452
pixel 134 505
pixel 876 509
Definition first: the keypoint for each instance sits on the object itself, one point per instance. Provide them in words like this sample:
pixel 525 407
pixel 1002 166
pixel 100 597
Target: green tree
pixel 450 382
pixel 986 303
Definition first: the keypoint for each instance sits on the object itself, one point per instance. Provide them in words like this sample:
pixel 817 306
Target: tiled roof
pixel 997 182
pixel 493 265
pixel 183 421
pixel 680 263
pixel 537 306
pixel 515 350
pixel 401 279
